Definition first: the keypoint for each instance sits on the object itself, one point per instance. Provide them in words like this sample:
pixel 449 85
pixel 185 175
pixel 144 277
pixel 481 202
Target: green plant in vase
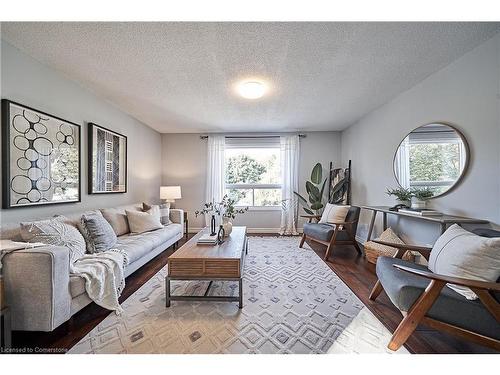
pixel 315 189
pixel 225 209
pixel 403 196
pixel 420 197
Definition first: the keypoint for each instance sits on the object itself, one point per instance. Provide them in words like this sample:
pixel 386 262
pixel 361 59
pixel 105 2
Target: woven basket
pixel 373 250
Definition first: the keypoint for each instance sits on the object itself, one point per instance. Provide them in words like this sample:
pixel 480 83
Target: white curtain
pixel 290 148
pixel 215 170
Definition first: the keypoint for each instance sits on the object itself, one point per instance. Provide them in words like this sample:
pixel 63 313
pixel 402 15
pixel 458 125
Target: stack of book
pixel 419 212
pixel 207 239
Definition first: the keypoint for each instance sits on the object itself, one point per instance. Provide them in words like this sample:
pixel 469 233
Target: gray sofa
pixel 39 289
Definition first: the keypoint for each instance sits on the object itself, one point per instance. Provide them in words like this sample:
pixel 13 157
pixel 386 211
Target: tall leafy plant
pixel 315 188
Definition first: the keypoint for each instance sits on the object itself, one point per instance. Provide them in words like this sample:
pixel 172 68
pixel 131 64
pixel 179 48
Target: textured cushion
pixel 464 254
pixel 334 213
pixel 55 232
pixel 404 289
pixel 324 232
pixel 117 219
pixel 387 235
pixel 164 212
pixel 98 233
pixel 141 222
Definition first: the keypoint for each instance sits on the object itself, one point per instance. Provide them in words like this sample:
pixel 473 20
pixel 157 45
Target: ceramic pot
pixel 418 203
pixel 227 225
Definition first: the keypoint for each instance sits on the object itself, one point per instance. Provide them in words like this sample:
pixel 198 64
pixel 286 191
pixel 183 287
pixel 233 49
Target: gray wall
pixel 29 82
pixel 467 94
pixel 184 164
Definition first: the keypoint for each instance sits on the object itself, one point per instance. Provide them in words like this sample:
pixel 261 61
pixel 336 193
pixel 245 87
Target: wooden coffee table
pixel 222 262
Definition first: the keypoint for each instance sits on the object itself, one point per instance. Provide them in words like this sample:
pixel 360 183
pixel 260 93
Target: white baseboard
pixel 251 230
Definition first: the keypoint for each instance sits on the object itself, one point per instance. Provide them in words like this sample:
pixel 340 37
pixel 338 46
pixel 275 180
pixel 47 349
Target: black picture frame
pixel 91 143
pixel 7 157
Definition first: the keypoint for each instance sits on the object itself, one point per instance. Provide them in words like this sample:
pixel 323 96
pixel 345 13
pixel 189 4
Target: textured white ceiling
pixel 179 77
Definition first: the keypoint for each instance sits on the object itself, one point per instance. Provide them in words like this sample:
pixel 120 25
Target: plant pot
pixel 418 203
pixel 227 225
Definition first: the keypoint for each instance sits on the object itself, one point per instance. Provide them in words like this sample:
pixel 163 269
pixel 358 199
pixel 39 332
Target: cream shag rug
pixel 293 303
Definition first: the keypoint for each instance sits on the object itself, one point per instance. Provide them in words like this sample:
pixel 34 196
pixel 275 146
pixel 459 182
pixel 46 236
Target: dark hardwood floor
pixel 353 269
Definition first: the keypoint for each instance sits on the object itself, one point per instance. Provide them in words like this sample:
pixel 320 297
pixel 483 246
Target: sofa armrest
pixel 37 287
pixel 177 216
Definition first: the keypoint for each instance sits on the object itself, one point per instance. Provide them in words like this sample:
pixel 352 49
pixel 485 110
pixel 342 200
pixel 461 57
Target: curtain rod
pixel 252 136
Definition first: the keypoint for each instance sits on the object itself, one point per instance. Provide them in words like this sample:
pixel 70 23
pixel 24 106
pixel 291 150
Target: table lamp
pixel 170 193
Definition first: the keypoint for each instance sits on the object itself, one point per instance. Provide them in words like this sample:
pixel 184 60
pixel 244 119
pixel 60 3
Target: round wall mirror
pixel 433 156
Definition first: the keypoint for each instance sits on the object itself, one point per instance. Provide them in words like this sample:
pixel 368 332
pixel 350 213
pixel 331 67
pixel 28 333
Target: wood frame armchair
pixel 339 233
pixel 417 314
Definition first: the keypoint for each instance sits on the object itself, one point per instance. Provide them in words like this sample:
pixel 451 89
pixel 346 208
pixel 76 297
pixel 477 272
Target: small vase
pixel 220 235
pixel 227 225
pixel 212 226
pixel 418 203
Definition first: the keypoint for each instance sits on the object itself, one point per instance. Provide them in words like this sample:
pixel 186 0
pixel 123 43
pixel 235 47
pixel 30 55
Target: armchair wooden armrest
pixel 476 284
pixel 311 217
pixel 342 223
pixel 402 248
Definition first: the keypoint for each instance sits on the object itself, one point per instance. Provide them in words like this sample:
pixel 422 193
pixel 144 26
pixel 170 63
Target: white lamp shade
pixel 170 193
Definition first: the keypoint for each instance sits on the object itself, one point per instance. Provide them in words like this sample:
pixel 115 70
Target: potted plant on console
pixel 420 197
pixel 403 196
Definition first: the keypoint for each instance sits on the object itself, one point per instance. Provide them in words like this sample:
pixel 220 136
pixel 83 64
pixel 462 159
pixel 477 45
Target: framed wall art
pixel 107 161
pixel 40 157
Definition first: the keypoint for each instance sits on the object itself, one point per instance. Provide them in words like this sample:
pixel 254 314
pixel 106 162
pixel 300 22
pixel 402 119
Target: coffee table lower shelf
pixel 205 297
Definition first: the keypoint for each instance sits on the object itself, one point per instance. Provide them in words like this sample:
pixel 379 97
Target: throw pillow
pixel 164 212
pixel 98 233
pixel 464 254
pixel 141 222
pixel 55 232
pixel 117 219
pixel 334 213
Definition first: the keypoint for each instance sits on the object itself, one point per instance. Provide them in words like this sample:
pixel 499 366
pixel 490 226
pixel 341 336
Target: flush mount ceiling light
pixel 251 89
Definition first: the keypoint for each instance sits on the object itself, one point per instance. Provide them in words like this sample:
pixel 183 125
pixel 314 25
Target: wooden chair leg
pixel 377 289
pixel 302 240
pixel 416 314
pixel 331 244
pixel 358 249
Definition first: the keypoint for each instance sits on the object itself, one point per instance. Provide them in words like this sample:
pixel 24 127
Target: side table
pixel 5 328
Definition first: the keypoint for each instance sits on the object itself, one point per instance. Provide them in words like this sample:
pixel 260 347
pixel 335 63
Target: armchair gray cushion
pixel 324 232
pixel 404 289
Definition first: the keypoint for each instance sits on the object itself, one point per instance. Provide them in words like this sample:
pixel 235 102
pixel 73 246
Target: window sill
pixel 261 208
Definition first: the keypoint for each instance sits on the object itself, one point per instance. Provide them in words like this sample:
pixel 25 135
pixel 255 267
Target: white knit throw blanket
pixel 104 277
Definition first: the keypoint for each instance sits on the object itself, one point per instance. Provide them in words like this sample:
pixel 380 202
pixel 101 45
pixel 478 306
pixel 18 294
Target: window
pixel 253 171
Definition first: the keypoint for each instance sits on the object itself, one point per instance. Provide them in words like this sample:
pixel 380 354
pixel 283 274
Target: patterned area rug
pixel 293 303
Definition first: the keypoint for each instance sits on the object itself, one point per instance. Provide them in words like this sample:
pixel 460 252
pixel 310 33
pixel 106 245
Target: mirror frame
pixel 467 155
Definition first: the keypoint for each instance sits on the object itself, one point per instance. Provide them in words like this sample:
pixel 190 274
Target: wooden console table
pixel 444 220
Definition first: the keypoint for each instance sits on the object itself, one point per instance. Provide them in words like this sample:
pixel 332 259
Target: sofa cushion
pixel 98 233
pixel 324 232
pixel 117 219
pixel 141 222
pixel 461 253
pixel 137 245
pixel 164 212
pixel 404 288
